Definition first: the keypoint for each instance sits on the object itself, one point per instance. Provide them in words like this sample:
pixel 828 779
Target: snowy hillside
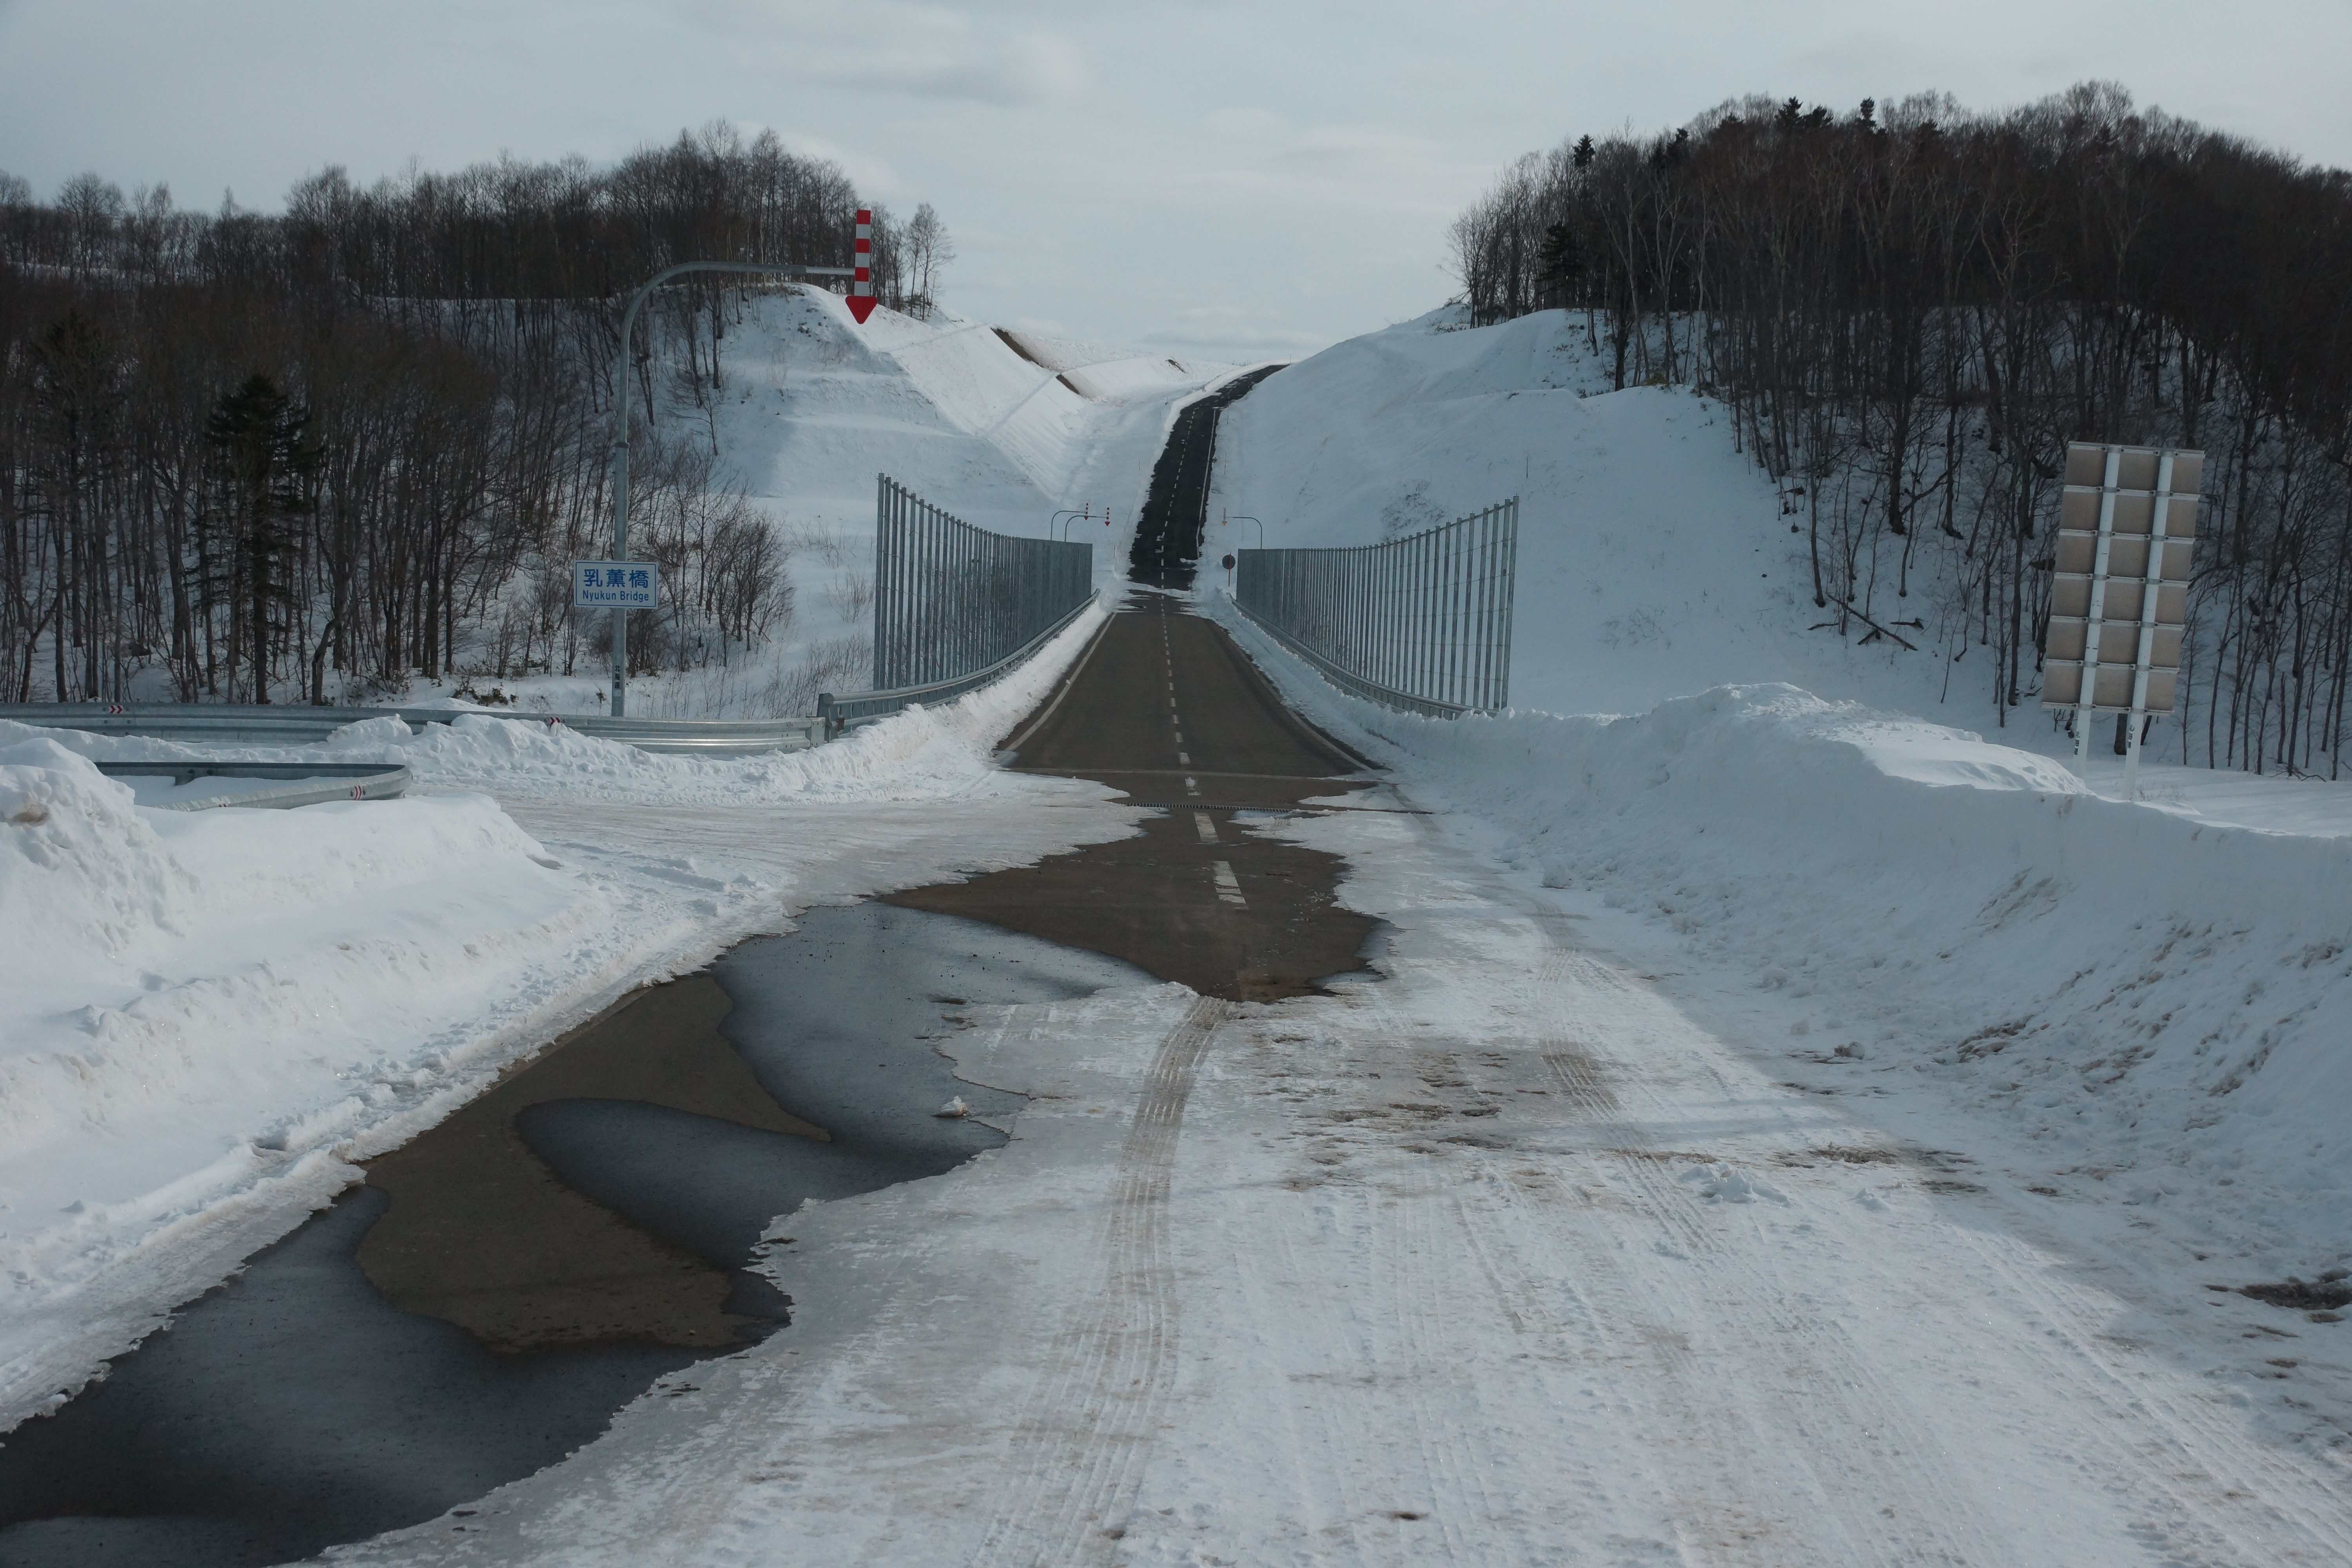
pixel 1654 558
pixel 998 427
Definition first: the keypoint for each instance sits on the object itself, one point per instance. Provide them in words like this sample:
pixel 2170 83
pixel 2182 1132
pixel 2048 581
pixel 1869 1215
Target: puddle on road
pixel 506 1281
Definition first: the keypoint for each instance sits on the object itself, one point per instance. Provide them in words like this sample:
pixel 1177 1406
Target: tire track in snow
pixel 1088 1423
pixel 1413 1370
pixel 2202 1440
pixel 1834 1435
pixel 1874 1465
pixel 1823 1391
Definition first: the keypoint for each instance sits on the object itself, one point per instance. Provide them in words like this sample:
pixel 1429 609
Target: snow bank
pixel 191 1003
pixel 920 754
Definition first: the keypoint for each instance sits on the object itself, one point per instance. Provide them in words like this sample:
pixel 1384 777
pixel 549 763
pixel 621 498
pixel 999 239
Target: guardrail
pixel 954 605
pixel 274 725
pixel 308 783
pixel 1422 624
pixel 837 713
pixel 952 600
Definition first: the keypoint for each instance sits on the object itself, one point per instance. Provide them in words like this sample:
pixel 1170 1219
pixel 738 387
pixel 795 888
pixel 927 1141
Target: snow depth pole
pixel 621 418
pixel 861 285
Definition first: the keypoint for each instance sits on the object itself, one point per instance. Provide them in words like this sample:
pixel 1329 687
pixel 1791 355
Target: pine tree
pixel 263 464
pixel 1559 266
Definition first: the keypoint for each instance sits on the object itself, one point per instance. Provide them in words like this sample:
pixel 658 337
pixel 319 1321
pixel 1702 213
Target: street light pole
pixel 1054 520
pixel 621 427
pixel 1236 517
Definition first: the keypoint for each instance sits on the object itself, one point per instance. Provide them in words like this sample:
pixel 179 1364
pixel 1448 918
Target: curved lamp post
pixel 1054 522
pixel 621 427
pixel 1236 517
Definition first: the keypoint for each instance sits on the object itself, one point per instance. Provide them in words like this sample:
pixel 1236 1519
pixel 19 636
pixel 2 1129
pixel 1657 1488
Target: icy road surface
pixel 1500 1258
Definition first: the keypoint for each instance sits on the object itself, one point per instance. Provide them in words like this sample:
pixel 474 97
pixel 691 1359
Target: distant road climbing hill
pixel 1168 532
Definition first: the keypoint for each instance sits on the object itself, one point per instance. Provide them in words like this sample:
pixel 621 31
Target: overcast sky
pixel 1247 181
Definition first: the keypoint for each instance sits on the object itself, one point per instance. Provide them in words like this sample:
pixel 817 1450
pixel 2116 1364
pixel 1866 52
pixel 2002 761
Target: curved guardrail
pixel 307 783
pixel 274 725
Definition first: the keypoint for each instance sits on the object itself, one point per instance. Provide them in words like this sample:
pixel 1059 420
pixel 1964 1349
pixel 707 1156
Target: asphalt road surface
pixel 1164 708
pixel 1175 512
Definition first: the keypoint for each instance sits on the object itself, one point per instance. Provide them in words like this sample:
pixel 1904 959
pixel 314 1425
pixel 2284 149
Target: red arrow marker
pixel 861 287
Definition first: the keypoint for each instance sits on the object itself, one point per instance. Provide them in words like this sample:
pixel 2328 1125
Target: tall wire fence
pixel 955 606
pixel 1422 623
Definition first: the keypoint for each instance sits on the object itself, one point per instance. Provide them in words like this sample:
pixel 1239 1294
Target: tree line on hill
pixel 311 455
pixel 1910 311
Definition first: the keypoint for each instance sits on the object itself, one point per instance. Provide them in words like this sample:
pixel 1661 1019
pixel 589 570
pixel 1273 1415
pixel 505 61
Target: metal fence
pixel 1422 623
pixel 955 606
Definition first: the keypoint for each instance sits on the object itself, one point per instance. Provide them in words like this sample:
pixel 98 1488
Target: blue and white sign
pixel 615 585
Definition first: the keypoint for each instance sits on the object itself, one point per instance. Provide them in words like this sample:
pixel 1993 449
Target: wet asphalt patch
pixel 506 1281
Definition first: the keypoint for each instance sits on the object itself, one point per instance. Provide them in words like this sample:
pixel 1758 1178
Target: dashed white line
pixel 1206 828
pixel 1229 887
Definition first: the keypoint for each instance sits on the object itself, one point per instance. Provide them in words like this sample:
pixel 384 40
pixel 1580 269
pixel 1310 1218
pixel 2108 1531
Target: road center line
pixel 1229 887
pixel 1206 828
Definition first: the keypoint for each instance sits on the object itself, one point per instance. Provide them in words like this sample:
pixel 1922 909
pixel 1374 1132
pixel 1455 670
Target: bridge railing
pixel 1421 624
pixel 956 606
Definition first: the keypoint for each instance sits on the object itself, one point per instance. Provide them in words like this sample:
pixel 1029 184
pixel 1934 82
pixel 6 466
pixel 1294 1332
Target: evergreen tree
pixel 263 463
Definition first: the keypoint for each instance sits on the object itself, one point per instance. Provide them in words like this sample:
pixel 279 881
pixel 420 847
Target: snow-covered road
pixel 1498 1257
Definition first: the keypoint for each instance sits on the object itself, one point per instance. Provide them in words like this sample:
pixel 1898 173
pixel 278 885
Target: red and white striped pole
pixel 861 287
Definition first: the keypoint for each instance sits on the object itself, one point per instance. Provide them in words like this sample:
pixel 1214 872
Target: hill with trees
pixel 246 456
pixel 1911 309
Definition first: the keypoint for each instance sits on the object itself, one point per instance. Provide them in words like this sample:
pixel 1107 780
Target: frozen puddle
pixel 506 1282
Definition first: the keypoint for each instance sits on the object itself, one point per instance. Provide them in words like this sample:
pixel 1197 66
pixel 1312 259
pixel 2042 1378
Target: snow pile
pixel 190 1002
pixel 81 876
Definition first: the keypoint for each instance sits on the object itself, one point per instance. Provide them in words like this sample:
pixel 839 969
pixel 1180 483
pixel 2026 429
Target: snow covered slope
pixel 1654 560
pixel 2150 997
pixel 1001 428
